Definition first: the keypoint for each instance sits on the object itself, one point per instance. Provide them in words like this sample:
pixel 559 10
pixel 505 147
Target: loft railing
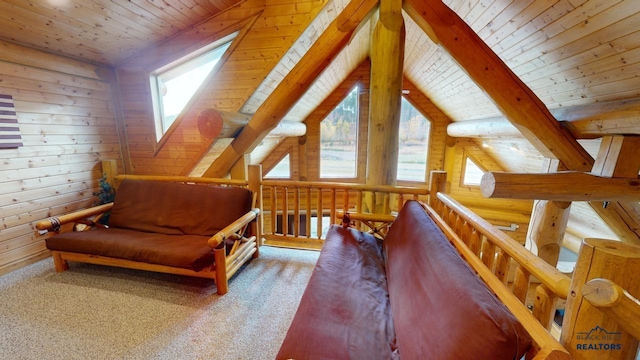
pixel 297 213
pixel 507 259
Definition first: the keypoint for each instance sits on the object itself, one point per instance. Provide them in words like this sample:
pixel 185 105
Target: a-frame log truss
pixel 517 102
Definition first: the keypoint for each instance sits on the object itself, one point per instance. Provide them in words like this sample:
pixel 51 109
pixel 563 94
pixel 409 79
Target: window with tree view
pixel 339 139
pixel 174 87
pixel 413 144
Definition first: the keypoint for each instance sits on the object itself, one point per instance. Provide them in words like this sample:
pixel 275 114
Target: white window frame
pixel 355 89
pixel 185 64
pixel 426 157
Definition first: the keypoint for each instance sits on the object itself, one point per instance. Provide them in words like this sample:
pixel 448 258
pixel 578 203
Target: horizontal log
pixel 55 222
pixel 214 124
pixel 610 298
pixel 612 123
pixel 495 128
pixel 232 228
pixel 562 186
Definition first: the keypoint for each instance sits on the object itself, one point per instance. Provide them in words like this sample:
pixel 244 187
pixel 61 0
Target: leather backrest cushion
pixel 441 309
pixel 177 208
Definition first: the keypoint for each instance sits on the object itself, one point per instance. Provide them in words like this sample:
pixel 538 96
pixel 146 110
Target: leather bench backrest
pixel 441 309
pixel 177 208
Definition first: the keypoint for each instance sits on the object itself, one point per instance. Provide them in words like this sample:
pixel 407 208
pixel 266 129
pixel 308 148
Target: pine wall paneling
pixel 65 111
pixel 269 33
pixel 497 211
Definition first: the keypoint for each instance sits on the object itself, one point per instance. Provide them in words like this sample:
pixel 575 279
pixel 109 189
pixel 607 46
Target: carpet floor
pixel 97 312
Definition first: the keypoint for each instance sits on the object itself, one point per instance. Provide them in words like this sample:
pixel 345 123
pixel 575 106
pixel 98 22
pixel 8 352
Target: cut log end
pixel 488 184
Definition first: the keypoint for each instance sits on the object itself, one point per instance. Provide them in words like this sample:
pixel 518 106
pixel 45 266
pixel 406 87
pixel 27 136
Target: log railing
pixel 311 207
pixel 508 260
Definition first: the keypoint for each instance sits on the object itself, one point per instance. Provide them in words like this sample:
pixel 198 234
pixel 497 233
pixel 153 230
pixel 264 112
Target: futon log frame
pixel 243 248
pixel 538 321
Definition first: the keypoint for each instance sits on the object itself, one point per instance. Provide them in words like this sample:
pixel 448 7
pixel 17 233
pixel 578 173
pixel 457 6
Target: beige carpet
pixel 95 312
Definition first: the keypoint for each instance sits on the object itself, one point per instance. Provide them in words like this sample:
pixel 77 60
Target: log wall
pixel 65 111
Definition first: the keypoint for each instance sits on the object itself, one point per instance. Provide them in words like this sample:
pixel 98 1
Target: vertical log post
pixel 547 227
pixel 548 223
pixel 437 183
pixel 588 333
pixel 387 57
pixel 255 185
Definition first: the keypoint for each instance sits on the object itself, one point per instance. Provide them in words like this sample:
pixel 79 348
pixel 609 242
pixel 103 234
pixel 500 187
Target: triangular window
pixel 173 86
pixel 472 173
pixel 339 139
pixel 282 170
pixel 413 144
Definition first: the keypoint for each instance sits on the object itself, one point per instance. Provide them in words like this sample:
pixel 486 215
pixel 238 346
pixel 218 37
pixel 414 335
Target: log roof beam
pixel 588 128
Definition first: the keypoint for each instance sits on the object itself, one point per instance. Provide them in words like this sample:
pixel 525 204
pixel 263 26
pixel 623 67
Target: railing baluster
pixel 332 209
pixel 521 284
pixel 308 215
pixel 502 266
pixel 274 210
pixel 285 210
pixel 488 253
pixel 319 215
pixel 544 306
pixel 296 212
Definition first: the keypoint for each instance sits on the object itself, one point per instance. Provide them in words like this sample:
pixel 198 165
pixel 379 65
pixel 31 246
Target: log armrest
pixel 54 223
pixel 231 230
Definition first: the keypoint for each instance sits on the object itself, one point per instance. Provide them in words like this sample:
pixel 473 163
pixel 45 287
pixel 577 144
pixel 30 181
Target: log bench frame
pixel 544 344
pixel 242 251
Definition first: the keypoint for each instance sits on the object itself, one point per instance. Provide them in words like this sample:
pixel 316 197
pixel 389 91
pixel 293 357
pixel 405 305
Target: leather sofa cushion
pixel 344 312
pixel 441 309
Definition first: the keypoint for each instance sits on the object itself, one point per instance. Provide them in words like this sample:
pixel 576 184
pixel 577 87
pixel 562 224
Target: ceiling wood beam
pixel 495 128
pixel 214 124
pixel 589 128
pixel 294 85
pixel 562 186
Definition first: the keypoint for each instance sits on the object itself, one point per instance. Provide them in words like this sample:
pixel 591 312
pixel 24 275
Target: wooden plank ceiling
pixel 569 52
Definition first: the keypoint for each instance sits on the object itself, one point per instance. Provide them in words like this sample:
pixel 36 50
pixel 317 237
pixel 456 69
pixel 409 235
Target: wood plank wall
pixel 499 212
pixel 65 111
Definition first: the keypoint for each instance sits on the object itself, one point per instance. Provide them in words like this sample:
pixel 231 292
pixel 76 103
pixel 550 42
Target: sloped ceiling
pixel 101 31
pixel 569 52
